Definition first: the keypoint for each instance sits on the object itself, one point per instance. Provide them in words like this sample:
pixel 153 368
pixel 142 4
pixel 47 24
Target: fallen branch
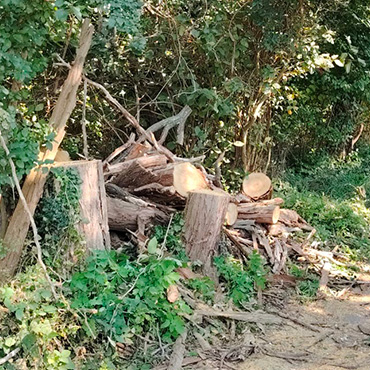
pixel 288 356
pixel 255 317
pixel 296 321
pixel 9 356
pixel 168 123
pixel 130 118
pixel 178 353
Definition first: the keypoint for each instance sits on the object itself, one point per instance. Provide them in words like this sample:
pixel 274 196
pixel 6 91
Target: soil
pixel 342 339
pixel 330 333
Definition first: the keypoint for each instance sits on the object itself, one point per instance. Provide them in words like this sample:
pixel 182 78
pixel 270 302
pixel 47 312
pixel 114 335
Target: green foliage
pixel 22 147
pixel 57 216
pixel 332 198
pixel 36 323
pixel 308 288
pixel 308 284
pixel 128 298
pixel 171 235
pixel 241 281
pixel 203 287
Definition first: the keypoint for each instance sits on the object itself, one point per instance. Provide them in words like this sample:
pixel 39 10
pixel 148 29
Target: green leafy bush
pixel 332 198
pixel 128 298
pixel 41 327
pixel 204 288
pixel 241 281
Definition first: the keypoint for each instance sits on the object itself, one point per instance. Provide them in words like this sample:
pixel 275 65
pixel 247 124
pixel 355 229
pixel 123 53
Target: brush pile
pixel 145 185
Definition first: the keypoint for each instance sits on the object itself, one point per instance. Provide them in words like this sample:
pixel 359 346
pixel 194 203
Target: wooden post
pixel 204 216
pixel 93 203
pixel 34 184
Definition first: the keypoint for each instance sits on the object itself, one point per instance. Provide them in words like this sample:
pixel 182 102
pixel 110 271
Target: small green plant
pixel 204 288
pixel 241 281
pixel 309 283
pixel 308 288
pixel 34 322
pixel 172 236
pixel 123 298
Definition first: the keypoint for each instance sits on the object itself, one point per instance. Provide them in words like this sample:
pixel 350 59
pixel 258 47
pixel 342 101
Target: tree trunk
pixel 35 181
pixel 204 216
pixel 264 214
pixel 93 203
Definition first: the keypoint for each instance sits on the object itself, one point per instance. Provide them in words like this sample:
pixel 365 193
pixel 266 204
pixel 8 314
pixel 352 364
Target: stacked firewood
pixel 146 184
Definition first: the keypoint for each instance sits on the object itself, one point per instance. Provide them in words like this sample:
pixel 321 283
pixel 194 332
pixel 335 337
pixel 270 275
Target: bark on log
pixel 35 181
pixel 134 176
pixel 145 161
pixel 204 216
pixel 138 150
pixel 289 217
pixel 124 216
pixel 115 191
pixel 263 214
pixel 93 203
pixel 158 193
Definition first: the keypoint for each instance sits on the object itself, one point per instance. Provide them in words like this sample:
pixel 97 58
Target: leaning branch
pixel 29 214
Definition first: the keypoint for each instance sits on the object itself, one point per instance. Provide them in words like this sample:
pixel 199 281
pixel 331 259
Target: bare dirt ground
pixel 329 334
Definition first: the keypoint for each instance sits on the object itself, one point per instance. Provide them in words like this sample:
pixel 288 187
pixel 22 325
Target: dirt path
pixel 339 342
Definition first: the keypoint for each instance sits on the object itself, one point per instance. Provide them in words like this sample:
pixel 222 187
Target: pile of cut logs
pixel 145 185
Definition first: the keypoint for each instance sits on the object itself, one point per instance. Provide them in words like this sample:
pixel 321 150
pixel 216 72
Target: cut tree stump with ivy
pixel 93 203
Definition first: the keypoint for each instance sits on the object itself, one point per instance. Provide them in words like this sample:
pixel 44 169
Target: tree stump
pixel 204 216
pixel 93 203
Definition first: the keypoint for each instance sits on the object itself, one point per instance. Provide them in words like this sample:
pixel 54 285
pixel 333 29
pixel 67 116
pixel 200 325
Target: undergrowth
pixel 240 280
pixel 334 198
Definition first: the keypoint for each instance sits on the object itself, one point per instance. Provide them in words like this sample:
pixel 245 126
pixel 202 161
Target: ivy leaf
pixel 362 62
pixel 61 14
pixel 19 313
pixel 152 245
pixel 339 63
pixel 348 67
pixel 49 145
pixel 39 107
